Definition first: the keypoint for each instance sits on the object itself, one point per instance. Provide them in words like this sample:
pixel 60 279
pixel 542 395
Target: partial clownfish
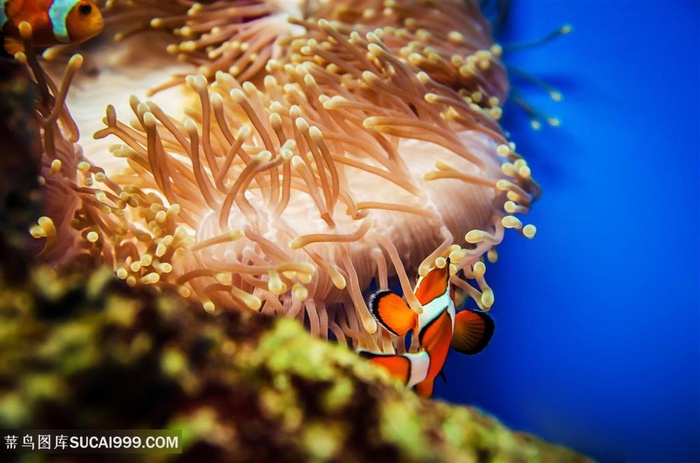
pixel 439 327
pixel 53 22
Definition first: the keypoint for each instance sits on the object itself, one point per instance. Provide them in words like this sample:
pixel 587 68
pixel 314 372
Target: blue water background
pixel 597 319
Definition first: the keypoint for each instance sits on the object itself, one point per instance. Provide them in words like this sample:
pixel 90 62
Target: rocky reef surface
pixel 82 350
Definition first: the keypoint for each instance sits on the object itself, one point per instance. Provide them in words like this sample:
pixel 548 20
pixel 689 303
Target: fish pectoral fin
pixel 12 45
pixel 473 331
pixel 392 312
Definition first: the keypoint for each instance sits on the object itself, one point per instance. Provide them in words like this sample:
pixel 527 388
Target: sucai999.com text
pixel 95 441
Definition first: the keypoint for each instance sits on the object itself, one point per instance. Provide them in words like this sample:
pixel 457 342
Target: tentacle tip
pixel 25 30
pixel 76 61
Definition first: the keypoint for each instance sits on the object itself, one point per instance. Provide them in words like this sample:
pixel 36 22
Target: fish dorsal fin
pixel 473 331
pixel 390 310
pixel 433 284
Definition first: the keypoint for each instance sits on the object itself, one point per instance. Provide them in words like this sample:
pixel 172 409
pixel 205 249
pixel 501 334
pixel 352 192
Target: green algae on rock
pixel 86 351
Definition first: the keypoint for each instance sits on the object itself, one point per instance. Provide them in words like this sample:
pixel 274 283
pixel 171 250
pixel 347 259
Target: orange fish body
pixel 436 341
pixel 411 368
pixel 53 22
pixel 439 327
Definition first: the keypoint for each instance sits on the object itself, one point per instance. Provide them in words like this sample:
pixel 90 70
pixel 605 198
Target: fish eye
pixel 85 9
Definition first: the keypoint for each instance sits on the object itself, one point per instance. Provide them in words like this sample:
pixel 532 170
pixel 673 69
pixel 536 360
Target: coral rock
pixel 86 351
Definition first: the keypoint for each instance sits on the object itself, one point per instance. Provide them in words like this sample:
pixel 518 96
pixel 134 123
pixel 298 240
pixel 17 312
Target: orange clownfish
pixel 439 327
pixel 53 22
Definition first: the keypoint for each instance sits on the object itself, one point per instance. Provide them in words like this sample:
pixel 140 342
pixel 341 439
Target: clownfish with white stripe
pixel 439 327
pixel 53 22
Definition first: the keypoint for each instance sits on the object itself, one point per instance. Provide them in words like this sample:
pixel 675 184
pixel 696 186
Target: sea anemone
pixel 450 40
pixel 355 143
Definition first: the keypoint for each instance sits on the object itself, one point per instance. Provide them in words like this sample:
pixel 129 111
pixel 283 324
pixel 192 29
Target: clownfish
pixel 439 327
pixel 53 22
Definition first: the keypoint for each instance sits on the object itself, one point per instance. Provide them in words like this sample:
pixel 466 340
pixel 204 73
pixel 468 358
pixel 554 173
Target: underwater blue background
pixel 597 319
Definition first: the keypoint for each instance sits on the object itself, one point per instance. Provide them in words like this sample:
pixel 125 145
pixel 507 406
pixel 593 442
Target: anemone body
pixel 360 144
